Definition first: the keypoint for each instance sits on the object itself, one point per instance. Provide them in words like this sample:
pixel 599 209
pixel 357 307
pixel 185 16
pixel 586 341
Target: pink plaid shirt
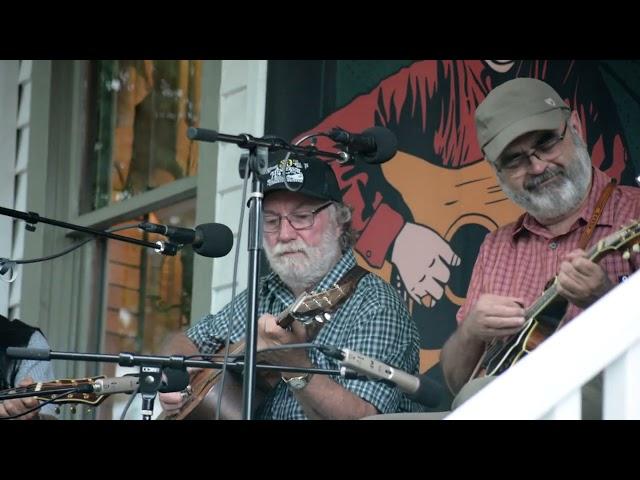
pixel 519 258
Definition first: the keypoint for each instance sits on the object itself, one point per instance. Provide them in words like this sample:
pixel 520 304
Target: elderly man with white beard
pixel 307 241
pixel 534 142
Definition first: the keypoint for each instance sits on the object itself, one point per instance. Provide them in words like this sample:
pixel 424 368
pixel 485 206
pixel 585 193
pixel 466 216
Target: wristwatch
pixel 298 383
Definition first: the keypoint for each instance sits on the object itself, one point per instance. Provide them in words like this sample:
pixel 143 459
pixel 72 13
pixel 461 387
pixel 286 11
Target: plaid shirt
pixel 519 258
pixel 373 321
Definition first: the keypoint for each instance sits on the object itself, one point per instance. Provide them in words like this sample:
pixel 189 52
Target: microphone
pixel 177 380
pixel 209 239
pixel 108 386
pixel 127 384
pixel 375 144
pixel 421 389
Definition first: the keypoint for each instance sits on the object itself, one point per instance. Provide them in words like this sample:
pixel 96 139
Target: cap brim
pixel 549 120
pixel 303 191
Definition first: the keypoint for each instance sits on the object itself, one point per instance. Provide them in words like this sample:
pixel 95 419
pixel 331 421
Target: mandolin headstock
pixel 627 240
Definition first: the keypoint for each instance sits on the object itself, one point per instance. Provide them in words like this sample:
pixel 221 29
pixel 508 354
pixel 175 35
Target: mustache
pixel 284 248
pixel 536 181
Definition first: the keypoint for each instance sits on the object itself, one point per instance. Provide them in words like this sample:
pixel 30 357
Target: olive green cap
pixel 514 108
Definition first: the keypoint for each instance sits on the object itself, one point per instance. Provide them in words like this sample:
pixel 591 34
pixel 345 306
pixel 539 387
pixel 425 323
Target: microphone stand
pixel 257 163
pixel 151 367
pixel 31 218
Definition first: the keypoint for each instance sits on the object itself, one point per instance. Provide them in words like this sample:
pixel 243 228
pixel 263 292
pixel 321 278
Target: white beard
pixel 304 270
pixel 555 200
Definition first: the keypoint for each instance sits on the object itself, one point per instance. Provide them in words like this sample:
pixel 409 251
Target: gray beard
pixel 553 201
pixel 306 271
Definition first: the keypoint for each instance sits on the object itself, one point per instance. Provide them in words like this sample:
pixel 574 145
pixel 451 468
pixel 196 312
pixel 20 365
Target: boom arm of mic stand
pixel 272 144
pixel 31 218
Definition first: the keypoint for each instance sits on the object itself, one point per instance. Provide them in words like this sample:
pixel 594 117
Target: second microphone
pixel 209 239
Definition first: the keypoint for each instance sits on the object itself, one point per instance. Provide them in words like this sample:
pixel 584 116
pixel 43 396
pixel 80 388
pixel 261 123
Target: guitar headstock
pixel 309 308
pixel 46 390
pixel 627 240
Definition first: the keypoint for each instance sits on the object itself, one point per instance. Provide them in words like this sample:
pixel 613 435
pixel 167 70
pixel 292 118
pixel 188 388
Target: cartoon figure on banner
pixel 423 214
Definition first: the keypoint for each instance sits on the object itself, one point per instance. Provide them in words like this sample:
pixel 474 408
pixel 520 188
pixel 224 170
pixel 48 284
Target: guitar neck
pixel 284 319
pixel 41 394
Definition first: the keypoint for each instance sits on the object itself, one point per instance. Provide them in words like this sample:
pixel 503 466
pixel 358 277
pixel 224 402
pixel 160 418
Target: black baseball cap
pixel 309 176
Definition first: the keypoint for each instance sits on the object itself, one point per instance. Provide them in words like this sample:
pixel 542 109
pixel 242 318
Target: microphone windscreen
pixel 386 145
pixel 430 393
pixel 217 240
pixel 177 380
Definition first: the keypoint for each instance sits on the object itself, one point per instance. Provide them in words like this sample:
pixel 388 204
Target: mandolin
pixel 544 316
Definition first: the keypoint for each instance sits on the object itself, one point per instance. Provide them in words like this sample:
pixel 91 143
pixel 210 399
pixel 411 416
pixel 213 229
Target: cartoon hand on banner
pixel 423 258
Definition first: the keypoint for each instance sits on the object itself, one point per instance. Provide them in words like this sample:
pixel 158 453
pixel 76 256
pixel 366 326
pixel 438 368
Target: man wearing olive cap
pixel 534 143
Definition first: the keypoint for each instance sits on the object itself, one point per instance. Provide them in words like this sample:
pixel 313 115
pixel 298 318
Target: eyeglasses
pixel 547 148
pixel 298 220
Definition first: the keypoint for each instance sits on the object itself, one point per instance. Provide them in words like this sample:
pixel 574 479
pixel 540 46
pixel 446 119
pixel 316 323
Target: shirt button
pixel 553 245
pixel 368 253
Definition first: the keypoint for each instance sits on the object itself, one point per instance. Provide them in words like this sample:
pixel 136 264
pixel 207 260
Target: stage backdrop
pixel 437 198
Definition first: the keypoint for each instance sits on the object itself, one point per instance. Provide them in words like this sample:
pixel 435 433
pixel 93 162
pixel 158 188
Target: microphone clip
pixel 166 248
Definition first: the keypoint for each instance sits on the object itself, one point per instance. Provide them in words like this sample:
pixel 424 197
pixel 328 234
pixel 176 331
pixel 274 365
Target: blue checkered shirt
pixel 39 370
pixel 373 321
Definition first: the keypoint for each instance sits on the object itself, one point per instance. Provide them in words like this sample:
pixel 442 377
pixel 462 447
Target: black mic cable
pixel 8 265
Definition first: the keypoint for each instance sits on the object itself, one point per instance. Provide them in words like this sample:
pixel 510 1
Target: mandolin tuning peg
pixel 73 410
pixel 319 318
pixel 327 316
pixel 636 247
pixel 626 255
pixel 57 410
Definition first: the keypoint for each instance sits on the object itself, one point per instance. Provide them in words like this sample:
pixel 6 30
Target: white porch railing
pixel 546 384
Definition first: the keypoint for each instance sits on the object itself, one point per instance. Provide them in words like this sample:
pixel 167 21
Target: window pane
pixel 143 111
pixel 148 294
